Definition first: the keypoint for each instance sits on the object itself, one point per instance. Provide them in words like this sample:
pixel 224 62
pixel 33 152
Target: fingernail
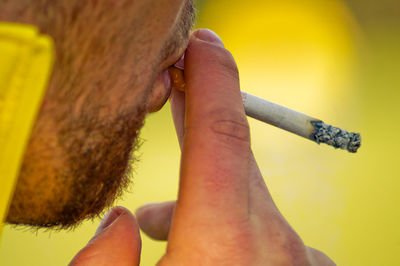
pixel 208 36
pixel 109 218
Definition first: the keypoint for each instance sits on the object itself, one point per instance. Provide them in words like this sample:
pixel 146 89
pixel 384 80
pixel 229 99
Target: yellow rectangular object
pixel 26 60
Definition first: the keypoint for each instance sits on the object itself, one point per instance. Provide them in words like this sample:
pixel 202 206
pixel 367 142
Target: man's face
pixel 111 57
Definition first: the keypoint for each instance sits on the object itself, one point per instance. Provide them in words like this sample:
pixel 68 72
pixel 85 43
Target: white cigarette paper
pixel 299 123
pixel 287 119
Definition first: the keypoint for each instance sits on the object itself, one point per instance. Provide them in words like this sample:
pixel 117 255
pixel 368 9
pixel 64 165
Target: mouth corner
pixel 181 62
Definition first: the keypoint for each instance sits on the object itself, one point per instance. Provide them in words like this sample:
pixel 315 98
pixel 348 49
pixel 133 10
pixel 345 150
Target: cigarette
pixel 300 124
pixel 290 120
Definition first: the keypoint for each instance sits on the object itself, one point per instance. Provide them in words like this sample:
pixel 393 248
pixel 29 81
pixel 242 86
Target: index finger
pixel 216 144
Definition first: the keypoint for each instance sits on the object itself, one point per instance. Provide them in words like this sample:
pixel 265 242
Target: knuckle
pixel 291 250
pixel 217 55
pixel 225 59
pixel 294 248
pixel 229 127
pixel 320 257
pixel 283 242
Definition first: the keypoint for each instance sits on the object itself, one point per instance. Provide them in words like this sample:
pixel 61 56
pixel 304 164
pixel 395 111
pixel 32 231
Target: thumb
pixel 116 242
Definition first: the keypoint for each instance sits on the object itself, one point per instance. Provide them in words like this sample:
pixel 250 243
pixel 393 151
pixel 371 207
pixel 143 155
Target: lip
pixel 175 57
pixel 163 84
pixel 181 62
pixel 161 91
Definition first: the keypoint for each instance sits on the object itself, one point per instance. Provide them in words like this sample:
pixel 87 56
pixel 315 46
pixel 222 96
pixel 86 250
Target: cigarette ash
pixel 335 137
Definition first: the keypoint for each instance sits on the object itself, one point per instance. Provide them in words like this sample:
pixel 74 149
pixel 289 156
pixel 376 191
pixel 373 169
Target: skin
pixel 109 56
pixel 224 214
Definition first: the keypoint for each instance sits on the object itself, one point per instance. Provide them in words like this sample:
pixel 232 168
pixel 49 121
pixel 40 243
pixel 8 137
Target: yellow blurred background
pixel 335 60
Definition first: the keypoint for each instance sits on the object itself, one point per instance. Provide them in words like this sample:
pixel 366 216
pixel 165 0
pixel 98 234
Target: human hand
pixel 224 214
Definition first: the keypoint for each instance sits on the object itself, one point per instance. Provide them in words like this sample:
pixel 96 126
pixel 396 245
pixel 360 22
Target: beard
pixel 80 155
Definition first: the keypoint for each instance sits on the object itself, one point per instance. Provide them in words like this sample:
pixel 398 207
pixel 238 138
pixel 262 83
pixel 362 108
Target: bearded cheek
pixel 40 192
